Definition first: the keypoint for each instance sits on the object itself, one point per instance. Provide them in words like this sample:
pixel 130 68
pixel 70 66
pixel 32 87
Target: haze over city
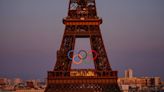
pixel 31 32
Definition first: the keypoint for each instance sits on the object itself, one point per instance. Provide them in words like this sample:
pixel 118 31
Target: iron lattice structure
pixel 82 22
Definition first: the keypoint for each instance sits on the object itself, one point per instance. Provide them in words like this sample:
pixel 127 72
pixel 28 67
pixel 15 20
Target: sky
pixel 31 32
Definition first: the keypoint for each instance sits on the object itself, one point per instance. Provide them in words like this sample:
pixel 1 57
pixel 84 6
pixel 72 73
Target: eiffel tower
pixel 82 22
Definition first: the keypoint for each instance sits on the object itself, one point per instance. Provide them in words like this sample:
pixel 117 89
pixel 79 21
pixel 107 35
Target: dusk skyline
pixel 31 32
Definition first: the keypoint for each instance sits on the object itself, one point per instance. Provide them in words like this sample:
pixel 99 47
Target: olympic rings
pixel 82 56
pixel 79 62
pixel 93 51
pixel 89 59
pixel 79 54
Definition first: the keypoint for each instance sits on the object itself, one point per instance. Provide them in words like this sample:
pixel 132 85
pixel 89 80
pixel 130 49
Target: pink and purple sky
pixel 31 32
